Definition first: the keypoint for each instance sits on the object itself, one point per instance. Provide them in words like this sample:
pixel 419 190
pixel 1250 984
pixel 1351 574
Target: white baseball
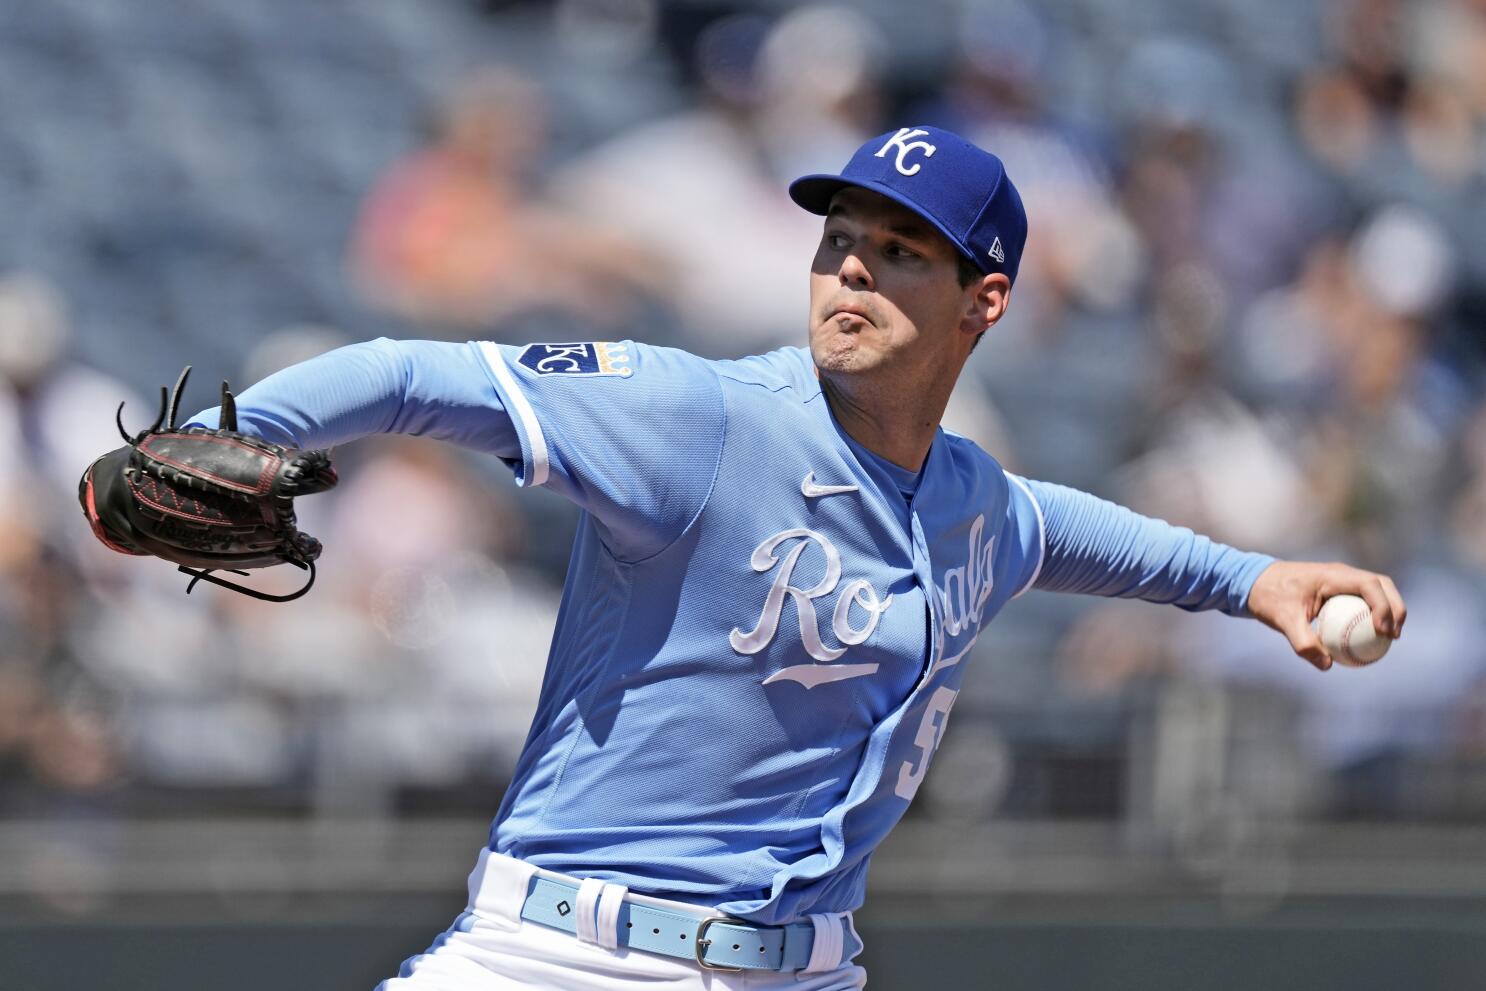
pixel 1347 632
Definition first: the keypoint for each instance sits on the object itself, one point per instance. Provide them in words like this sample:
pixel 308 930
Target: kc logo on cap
pixel 905 147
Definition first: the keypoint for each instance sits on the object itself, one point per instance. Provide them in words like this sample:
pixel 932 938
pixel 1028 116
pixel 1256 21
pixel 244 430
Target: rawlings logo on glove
pixel 206 500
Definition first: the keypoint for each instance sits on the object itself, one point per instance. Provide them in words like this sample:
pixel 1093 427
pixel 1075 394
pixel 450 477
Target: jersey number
pixel 930 732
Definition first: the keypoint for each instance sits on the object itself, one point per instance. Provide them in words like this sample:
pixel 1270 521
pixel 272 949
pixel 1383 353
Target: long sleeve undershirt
pixel 1096 547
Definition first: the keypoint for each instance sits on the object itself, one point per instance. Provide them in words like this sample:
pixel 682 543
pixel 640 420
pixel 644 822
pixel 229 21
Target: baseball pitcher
pixel 782 566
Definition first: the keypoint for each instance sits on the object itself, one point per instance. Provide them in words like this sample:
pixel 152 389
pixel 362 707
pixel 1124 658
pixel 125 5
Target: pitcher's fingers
pixel 1370 587
pixel 1400 611
pixel 1304 641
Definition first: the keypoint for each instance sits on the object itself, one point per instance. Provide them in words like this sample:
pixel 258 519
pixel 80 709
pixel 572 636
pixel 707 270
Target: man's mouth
pixel 850 311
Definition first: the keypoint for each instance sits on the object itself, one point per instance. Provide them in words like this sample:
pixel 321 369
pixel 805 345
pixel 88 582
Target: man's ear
pixel 988 303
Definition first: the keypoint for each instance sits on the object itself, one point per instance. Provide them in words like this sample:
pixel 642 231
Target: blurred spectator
pixel 1392 113
pixel 1201 179
pixel 705 188
pixel 440 509
pixel 1287 343
pixel 53 409
pixel 1337 122
pixel 814 113
pixel 455 236
pixel 1220 470
pixel 426 651
pixel 1449 43
pixel 1082 251
pixel 1468 513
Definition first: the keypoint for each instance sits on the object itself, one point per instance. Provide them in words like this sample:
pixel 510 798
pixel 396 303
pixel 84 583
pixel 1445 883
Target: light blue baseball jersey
pixel 764 626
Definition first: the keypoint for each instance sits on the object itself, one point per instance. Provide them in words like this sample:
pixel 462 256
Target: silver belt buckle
pixel 700 944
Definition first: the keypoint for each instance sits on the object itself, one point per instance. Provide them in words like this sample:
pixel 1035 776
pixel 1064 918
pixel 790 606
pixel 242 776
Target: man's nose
pixel 854 274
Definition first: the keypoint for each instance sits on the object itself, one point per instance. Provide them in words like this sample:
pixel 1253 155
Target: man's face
pixel 884 289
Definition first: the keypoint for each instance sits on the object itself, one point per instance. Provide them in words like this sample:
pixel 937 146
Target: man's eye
pixel 837 241
pixel 898 251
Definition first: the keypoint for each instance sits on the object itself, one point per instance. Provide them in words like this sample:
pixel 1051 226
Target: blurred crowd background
pixel 1253 302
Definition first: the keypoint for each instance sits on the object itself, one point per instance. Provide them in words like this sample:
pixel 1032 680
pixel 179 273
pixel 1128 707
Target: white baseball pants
pixel 491 948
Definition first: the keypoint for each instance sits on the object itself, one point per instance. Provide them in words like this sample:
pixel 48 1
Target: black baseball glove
pixel 203 499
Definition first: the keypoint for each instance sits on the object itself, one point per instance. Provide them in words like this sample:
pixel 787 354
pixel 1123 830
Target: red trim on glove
pixel 97 524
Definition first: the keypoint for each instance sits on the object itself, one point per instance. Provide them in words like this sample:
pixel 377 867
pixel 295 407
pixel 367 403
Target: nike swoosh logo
pixel 813 491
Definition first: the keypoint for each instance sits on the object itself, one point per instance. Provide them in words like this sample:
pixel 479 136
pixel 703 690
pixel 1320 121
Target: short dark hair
pixel 967 270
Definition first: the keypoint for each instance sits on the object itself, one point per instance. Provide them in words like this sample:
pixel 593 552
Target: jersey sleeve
pixel 630 432
pixel 638 450
pixel 420 388
pixel 1096 547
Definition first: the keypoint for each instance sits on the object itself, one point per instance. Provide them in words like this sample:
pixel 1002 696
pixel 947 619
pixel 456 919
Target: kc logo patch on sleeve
pixel 591 358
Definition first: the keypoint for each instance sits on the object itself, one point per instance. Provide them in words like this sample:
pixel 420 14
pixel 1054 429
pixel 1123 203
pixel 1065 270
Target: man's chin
pixel 836 350
pixel 837 355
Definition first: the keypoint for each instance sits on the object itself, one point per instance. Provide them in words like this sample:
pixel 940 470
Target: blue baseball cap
pixel 959 188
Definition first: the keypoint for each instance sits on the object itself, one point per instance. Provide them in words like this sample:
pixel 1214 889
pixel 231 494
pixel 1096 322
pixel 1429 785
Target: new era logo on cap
pixel 961 189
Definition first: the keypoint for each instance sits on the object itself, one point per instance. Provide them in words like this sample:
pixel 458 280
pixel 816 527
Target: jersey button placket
pixel 923 573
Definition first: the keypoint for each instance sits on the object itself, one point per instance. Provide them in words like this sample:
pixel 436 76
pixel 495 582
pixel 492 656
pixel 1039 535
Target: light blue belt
pixel 716 942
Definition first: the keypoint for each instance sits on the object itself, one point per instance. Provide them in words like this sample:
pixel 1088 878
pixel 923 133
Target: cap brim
pixel 814 192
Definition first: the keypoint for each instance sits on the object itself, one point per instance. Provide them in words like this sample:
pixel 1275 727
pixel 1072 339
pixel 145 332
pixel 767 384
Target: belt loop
pixel 587 909
pixel 854 944
pixel 825 952
pixel 611 901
